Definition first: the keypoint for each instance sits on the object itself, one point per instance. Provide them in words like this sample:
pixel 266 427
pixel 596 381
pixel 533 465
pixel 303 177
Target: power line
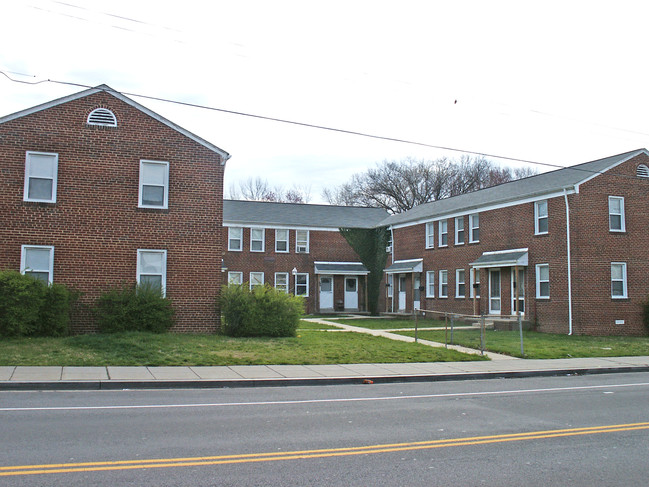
pixel 304 124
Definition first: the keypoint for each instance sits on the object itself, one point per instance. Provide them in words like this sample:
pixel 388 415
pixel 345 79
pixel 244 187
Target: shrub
pixel 264 311
pixel 134 308
pixel 29 307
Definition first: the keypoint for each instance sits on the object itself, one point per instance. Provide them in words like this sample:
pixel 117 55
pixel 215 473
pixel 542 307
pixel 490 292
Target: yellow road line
pixel 305 454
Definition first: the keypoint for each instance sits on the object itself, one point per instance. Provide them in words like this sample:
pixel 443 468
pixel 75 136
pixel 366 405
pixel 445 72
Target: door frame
pixel 330 292
pixel 500 291
pixel 349 293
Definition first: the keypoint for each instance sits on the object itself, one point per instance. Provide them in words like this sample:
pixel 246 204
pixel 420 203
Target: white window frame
pixel 24 249
pixel 232 237
pixel 620 214
pixel 284 240
pixel 165 185
pixel 258 281
pixel 430 284
pixel 459 228
pixel 474 279
pixel 261 239
pixel 623 280
pixel 390 284
pixel 302 274
pixel 459 282
pixel 443 283
pixel 235 278
pixel 302 241
pixel 443 233
pixel 54 177
pixel 539 216
pixel 473 218
pixel 162 273
pixel 540 281
pixel 430 235
pixel 279 286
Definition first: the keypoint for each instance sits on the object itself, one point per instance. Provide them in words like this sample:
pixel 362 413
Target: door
pixel 402 292
pixel 326 292
pixel 417 292
pixel 520 284
pixel 494 292
pixel 351 293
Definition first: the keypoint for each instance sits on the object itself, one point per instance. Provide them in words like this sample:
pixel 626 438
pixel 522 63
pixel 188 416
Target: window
pixel 281 240
pixel 443 233
pixel 302 241
pixel 642 171
pixel 281 281
pixel 235 239
pixel 542 281
pixel 475 283
pixel 257 239
pixel 443 284
pixel 256 279
pixel 390 285
pixel 152 268
pixel 37 261
pixel 541 217
pixel 430 284
pixel 301 284
pixel 235 278
pixel 460 284
pixel 41 174
pixel 154 184
pixel 102 116
pixel 430 235
pixel 616 214
pixel 474 228
pixel 459 230
pixel 618 280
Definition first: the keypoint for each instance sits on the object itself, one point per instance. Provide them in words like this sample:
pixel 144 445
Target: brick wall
pixel 95 225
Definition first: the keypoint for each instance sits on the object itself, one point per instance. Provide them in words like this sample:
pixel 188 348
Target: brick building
pixel 98 191
pixel 566 248
pixel 298 248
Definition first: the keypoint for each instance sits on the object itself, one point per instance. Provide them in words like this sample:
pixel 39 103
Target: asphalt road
pixel 573 430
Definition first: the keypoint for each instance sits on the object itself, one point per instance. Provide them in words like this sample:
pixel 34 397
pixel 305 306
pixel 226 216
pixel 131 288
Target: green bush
pixel 134 308
pixel 264 311
pixel 29 307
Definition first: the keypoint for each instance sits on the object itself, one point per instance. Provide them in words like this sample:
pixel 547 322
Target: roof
pixel 264 213
pixel 107 89
pixel 341 268
pixel 520 189
pixel 405 266
pixel 502 258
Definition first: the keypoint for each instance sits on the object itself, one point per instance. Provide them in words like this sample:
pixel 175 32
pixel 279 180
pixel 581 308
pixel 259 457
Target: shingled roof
pixel 263 213
pixel 521 189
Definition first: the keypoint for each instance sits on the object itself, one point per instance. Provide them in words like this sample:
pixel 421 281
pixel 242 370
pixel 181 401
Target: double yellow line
pixel 306 454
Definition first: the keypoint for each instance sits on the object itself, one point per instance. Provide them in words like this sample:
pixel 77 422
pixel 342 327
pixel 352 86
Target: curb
pixel 114 385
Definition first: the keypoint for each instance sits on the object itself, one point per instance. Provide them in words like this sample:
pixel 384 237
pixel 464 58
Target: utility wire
pixel 308 125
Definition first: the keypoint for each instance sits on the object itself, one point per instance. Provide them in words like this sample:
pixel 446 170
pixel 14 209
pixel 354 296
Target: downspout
pixel 565 196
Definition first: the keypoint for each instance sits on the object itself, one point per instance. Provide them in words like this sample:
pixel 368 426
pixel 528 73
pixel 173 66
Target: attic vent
pixel 642 171
pixel 102 116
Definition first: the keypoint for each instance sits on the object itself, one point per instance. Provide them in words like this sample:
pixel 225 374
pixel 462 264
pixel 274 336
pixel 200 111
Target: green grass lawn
pixel 543 345
pixel 309 347
pixel 389 323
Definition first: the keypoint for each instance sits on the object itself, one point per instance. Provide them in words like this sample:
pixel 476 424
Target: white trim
pixel 612 166
pixel 458 282
pixel 165 184
pixel 288 282
pixel 240 239
pixel 276 226
pixel 163 271
pixel 54 178
pixel 297 241
pixel 455 228
pixel 472 217
pixel 624 281
pixel 622 216
pixel 441 233
pixel 262 240
pixel 416 268
pixel 537 279
pixel 307 283
pixel 429 232
pixel 259 274
pixel 49 270
pixel 538 217
pixel 288 240
pixel 430 284
pixel 441 283
pixel 237 273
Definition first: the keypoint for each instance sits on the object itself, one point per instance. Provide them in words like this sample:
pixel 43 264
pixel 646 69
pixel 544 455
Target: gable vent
pixel 642 171
pixel 102 116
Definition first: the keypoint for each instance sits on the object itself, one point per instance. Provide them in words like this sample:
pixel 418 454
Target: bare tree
pixel 398 186
pixel 258 189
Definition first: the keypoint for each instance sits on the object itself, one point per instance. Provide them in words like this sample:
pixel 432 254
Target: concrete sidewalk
pixel 113 378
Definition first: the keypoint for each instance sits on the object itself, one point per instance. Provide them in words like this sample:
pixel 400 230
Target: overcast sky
pixel 558 82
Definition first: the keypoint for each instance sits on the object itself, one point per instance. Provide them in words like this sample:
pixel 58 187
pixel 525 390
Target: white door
pixel 351 293
pixel 494 292
pixel 402 292
pixel 520 283
pixel 417 292
pixel 326 292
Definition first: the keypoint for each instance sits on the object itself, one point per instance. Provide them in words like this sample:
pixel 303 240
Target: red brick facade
pixel 593 250
pixel 96 225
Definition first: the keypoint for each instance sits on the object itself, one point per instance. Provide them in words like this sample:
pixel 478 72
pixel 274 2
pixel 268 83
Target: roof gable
pixel 107 89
